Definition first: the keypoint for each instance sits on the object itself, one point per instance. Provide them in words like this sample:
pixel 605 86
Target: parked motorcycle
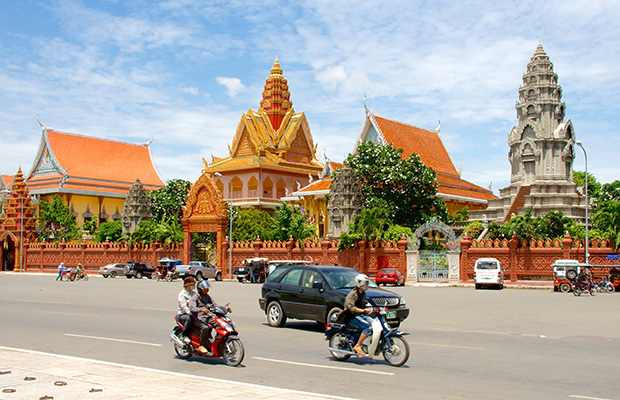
pixel 384 340
pixel 225 344
pixel 605 286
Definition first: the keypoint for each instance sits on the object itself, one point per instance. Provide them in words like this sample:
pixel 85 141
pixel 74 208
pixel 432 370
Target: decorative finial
pixel 42 126
pixel 436 130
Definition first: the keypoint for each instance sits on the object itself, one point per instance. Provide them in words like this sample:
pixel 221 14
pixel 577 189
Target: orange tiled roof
pixel 7 181
pixel 425 143
pixel 92 164
pixel 322 185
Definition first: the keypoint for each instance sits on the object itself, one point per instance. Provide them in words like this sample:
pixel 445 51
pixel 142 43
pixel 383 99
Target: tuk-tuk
pixel 253 270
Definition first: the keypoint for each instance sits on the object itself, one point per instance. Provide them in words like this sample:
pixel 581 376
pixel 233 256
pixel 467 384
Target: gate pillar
pixel 453 266
pixel 413 263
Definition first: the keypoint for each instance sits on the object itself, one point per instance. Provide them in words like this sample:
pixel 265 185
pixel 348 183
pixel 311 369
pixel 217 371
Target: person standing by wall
pixel 61 270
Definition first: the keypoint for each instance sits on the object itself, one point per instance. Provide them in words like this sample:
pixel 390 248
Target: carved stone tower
pixel 541 151
pixel 137 208
pixel 345 201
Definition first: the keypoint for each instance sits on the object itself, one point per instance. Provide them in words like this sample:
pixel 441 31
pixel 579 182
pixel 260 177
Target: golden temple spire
pixel 276 97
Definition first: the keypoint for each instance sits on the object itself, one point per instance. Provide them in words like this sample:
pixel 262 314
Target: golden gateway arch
pixel 205 211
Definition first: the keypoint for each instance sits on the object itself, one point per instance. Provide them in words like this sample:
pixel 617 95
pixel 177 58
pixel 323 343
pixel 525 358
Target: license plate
pixel 390 315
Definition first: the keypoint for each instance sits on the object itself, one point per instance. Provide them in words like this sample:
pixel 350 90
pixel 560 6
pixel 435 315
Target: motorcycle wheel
pixel 398 354
pixel 577 291
pixel 593 291
pixel 85 277
pixel 611 289
pixel 233 352
pixel 182 351
pixel 339 341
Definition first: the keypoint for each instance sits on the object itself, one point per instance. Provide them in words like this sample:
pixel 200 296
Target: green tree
pixel 150 231
pixel 551 225
pixel 111 230
pixel 609 191
pixel 372 224
pixel 290 222
pixel 606 218
pixel 168 202
pixel 405 188
pixel 594 186
pixel 56 221
pixel 462 215
pixel 91 225
pixel 251 222
pixel 474 229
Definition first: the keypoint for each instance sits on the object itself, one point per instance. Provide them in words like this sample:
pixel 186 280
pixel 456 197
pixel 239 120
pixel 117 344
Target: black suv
pixel 317 292
pixel 138 269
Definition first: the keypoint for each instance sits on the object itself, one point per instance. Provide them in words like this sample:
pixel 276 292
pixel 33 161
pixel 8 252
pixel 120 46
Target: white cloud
pixel 190 90
pixel 233 85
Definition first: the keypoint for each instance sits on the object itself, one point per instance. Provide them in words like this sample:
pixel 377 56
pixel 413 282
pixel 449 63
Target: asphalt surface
pixel 466 343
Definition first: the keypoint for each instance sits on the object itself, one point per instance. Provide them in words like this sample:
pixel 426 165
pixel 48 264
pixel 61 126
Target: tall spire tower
pixel 276 97
pixel 541 145
pixel 542 150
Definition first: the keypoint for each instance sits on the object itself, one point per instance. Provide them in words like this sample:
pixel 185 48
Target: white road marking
pixel 324 366
pixel 180 374
pixel 113 340
pixel 488 332
pixel 575 396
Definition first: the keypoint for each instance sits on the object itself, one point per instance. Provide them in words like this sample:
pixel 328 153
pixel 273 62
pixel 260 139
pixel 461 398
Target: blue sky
pixel 182 72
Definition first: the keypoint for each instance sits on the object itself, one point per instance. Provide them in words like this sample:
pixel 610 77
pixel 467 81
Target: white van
pixel 488 271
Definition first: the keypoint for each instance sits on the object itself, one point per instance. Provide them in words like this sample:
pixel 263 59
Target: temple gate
pixel 204 211
pixel 437 266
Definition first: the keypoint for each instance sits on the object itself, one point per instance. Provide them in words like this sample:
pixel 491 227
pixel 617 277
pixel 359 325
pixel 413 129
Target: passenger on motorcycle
pixel 583 279
pixel 355 313
pixel 201 305
pixel 185 315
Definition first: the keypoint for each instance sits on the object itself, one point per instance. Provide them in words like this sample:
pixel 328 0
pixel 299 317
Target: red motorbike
pixel 225 344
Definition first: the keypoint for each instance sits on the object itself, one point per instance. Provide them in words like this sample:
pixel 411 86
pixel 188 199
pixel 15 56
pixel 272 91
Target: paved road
pixel 466 344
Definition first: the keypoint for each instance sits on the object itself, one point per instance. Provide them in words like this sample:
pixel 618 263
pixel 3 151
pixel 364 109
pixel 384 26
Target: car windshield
pixel 342 278
pixel 487 265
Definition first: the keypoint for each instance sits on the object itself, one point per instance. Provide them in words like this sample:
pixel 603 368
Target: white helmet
pixel 362 281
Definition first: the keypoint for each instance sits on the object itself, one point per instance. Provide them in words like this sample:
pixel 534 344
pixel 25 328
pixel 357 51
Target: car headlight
pixel 401 302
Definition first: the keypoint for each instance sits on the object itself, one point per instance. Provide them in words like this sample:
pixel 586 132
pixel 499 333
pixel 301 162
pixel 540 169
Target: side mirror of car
pixel 317 285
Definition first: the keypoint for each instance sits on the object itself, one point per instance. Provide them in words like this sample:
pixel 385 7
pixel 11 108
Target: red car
pixel 391 276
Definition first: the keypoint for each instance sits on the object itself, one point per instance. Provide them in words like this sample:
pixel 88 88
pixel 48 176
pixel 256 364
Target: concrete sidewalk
pixel 539 285
pixel 35 375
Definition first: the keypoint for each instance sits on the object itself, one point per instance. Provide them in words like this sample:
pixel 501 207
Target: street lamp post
pixel 230 225
pixel 578 143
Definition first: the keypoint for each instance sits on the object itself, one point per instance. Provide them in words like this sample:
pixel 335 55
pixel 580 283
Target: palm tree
pixel 372 224
pixel 607 219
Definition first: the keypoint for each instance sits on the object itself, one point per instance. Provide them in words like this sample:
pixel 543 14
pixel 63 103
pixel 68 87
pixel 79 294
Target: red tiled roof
pixel 96 164
pixel 426 144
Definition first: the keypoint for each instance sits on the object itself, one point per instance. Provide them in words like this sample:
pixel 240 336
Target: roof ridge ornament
pixel 436 130
pixel 42 125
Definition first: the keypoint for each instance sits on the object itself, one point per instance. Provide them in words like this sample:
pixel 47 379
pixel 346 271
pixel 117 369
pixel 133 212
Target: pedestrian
pixel 61 270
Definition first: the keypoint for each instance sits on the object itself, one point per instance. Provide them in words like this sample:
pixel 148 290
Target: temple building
pixel 541 152
pixel 272 153
pixel 312 198
pixel 457 193
pixel 91 175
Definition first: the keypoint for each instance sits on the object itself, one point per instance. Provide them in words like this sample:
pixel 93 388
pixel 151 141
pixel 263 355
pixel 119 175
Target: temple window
pixel 237 188
pixel 280 189
pixel 531 110
pixel 268 188
pixel 531 95
pixel 253 187
pixel 220 187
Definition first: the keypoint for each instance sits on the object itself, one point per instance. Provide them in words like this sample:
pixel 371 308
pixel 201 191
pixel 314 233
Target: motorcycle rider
pixel 185 315
pixel 201 304
pixel 355 312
